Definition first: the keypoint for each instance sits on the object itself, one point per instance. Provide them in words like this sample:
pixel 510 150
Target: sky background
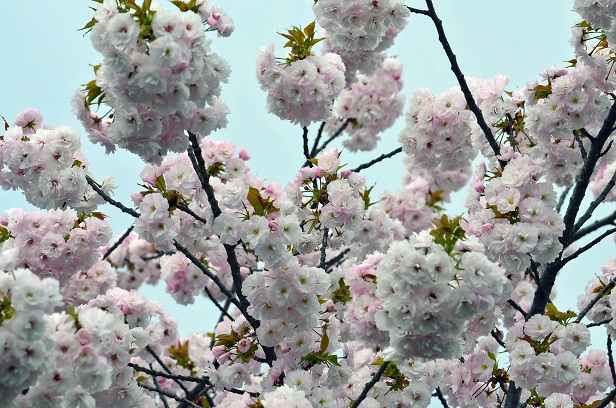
pixel 44 59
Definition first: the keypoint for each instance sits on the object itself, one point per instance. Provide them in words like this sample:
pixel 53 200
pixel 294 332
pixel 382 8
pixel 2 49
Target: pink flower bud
pixel 244 154
pixel 84 336
pixel 243 345
pixel 218 351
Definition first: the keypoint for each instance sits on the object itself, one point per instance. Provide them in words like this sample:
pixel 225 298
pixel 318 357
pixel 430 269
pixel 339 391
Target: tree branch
pixel 218 306
pixel 470 101
pixel 323 248
pixel 168 394
pixel 609 220
pixel 164 366
pixel 586 247
pixel 594 301
pixel 118 242
pixel 441 397
pixel 594 204
pixel 208 273
pixel 188 211
pixel 378 159
pixel 370 384
pixel 110 200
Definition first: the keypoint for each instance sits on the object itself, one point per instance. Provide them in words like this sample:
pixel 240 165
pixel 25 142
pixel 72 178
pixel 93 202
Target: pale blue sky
pixel 44 59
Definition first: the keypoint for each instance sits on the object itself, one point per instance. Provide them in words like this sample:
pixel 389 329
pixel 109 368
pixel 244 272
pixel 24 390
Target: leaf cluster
pixel 448 232
pixel 300 42
pixel 6 308
pixel 181 356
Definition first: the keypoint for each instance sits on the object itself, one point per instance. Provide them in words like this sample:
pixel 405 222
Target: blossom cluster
pixel 360 24
pixel 135 261
pixel 46 164
pixel 437 132
pixel 441 294
pixel 57 244
pixel 303 91
pixel 544 355
pixel 159 76
pixel 286 300
pixel 572 99
pixel 371 104
pixel 513 214
pixel 26 329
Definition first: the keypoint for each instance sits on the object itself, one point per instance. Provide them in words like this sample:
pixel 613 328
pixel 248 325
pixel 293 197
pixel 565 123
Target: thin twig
pixel 156 373
pixel 187 210
pixel 498 339
pixel 324 248
pixel 587 247
pixel 370 384
pixel 594 301
pixel 611 358
pixel 313 151
pixel 164 366
pixel 378 159
pixel 609 220
pixel 158 390
pixel 595 203
pixel 606 401
pixel 418 11
pixel 222 310
pixel 470 101
pixel 118 242
pixel 208 273
pixel 168 394
pixel 306 152
pixel 517 307
pixel 599 323
pixel 110 200
pixel 330 263
pixel 576 134
pixel 441 397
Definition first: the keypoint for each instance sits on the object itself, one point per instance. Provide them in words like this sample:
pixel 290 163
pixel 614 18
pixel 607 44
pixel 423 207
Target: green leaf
pixel 160 183
pixel 89 25
pixel 324 339
pixel 542 91
pixel 4 234
pixel 254 199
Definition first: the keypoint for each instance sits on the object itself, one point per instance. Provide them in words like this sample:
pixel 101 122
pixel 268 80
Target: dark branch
pixel 441 397
pixel 191 212
pixel 306 152
pixel 313 151
pixel 168 394
pixel 611 358
pixel 208 273
pixel 595 203
pixel 323 248
pixel 370 384
pixel 600 323
pixel 118 242
pixel 470 101
pixel 222 310
pixel 586 247
pixel 418 11
pixel 518 308
pixel 609 220
pixel 378 159
pixel 110 200
pixel 594 301
pixel 164 366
